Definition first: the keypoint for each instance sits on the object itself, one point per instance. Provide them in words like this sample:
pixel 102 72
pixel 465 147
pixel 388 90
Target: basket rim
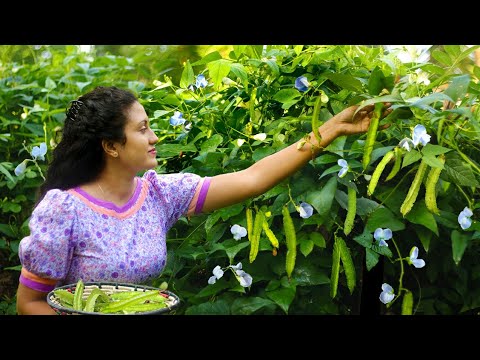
pixel 99 284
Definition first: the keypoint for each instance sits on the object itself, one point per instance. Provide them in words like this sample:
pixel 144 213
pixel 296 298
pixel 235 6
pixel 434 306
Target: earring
pixel 115 154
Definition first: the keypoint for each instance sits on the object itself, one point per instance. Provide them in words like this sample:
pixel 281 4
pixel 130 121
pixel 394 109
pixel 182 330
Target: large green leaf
pixel 371 258
pixel 459 173
pixel 188 77
pixel 458 87
pixel 322 199
pixel 459 244
pixel 247 306
pixel 170 150
pixel 211 144
pixel 218 69
pixel 411 157
pixel 384 218
pixel 424 235
pixel 287 95
pixel 365 239
pixel 308 274
pixel 366 206
pixel 346 81
pixel 434 150
pixel 421 216
pixel 378 81
pixel 219 307
pixel 283 297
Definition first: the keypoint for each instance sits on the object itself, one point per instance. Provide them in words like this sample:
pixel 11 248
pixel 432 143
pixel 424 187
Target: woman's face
pixel 138 153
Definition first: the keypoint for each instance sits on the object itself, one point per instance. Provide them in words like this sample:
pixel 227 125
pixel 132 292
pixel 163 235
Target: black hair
pixel 100 114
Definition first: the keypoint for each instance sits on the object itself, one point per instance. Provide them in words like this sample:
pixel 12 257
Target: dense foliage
pixel 239 104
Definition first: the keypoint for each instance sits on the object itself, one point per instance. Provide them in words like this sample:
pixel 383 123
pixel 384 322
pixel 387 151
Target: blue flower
pixel 420 135
pixel 387 294
pixel 20 169
pixel 302 84
pixel 343 171
pixel 382 235
pixel 238 231
pixel 177 119
pixel 39 152
pixel 243 278
pixel 201 82
pixel 217 274
pixel 305 210
pixel 418 263
pixel 464 218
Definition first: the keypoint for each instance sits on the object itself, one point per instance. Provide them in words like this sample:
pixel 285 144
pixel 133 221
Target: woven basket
pixel 110 288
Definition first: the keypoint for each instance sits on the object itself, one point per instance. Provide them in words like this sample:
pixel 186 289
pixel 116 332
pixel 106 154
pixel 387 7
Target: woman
pixel 98 221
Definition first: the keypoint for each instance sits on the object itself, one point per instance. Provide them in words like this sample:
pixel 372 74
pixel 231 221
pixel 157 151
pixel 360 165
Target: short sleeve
pixel 176 191
pixel 47 252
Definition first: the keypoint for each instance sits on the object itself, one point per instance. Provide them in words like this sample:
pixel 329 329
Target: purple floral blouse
pixel 74 235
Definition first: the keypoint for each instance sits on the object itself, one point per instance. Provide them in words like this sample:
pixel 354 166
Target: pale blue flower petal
pixel 382 243
pixel 467 212
pixel 420 135
pixel 306 210
pixel 378 234
pixel 238 231
pixel 212 280
pixel 245 280
pixel 177 119
pixel 237 267
pixel 201 82
pixel 387 288
pixel 342 172
pixel 342 162
pixel 414 253
pixel 465 222
pixel 20 169
pixel 387 234
pixel 386 297
pixel 406 143
pixel 218 272
pixel 418 263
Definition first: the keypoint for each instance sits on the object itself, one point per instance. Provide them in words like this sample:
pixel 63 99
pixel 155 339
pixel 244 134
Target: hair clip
pixel 72 112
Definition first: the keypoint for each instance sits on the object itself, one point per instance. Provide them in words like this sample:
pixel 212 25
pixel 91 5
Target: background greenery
pixel 251 91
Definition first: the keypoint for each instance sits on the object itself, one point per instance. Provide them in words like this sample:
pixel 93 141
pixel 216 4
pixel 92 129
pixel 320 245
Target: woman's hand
pixel 346 123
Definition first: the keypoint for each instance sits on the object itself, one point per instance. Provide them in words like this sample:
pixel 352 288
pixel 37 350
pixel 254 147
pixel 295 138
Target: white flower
pixel 343 171
pixel 20 169
pixel 305 210
pixel 464 218
pixel 237 267
pixel 260 137
pixel 238 231
pixel 244 278
pixel 177 119
pixel 420 135
pixel 217 274
pixel 382 235
pixel 387 294
pixel 39 152
pixel 418 263
pixel 406 143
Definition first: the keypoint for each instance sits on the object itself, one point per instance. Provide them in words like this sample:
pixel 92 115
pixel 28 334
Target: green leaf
pixel 459 244
pixel 211 144
pixel 382 250
pixel 337 146
pixel 262 152
pixel 213 56
pixel 322 199
pixel 411 157
pixel 384 218
pixel 283 297
pixel 50 84
pixel 247 306
pixel 424 235
pixel 335 270
pixel 458 87
pixel 212 289
pixel 441 57
pixel 460 173
pixel 433 150
pixel 377 82
pixel 371 258
pixel 366 206
pixel 306 246
pixel 287 95
pixel 171 150
pixel 240 72
pixel 219 307
pixel 233 250
pixel 307 273
pixel 6 172
pixel 421 216
pixel 386 98
pixel 188 76
pixel 218 69
pixel 433 161
pixel 325 159
pixel 7 230
pixel 318 239
pixel 345 81
pixel 365 239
